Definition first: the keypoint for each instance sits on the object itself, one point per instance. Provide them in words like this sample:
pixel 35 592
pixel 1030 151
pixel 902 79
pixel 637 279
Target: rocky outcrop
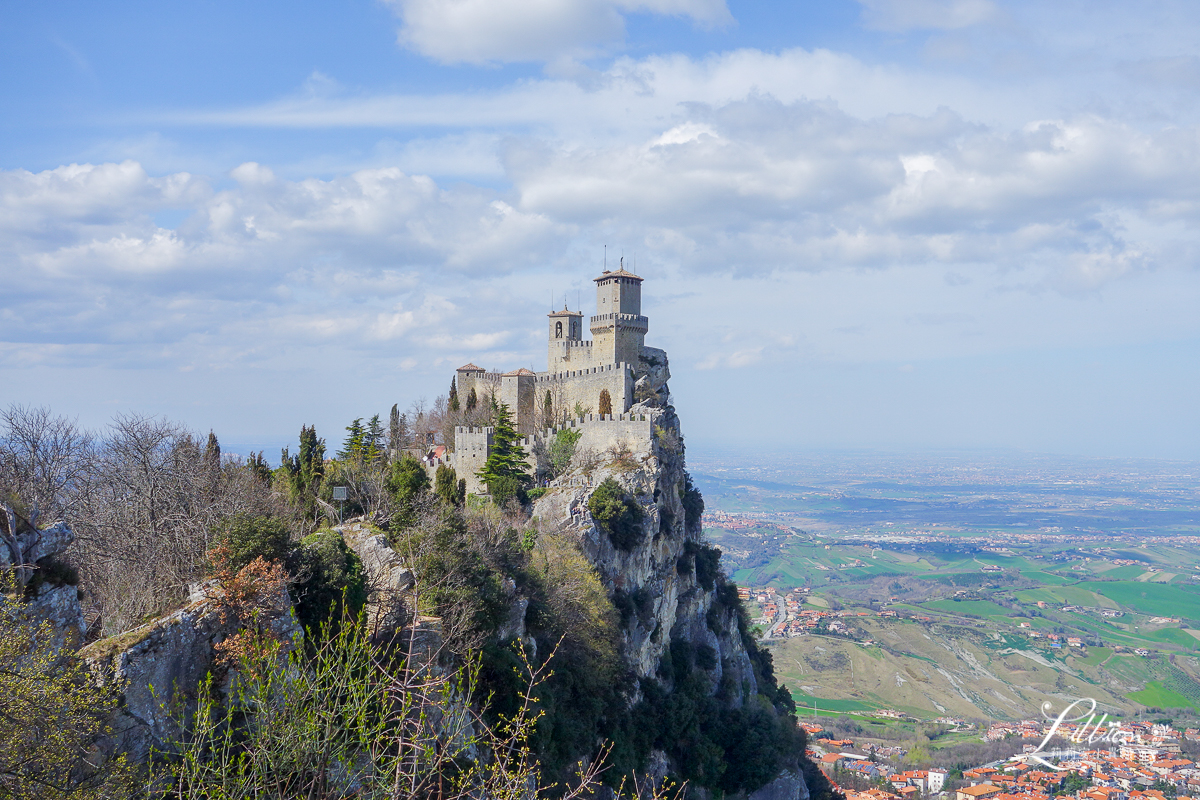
pixel 651 375
pixel 657 575
pixel 389 581
pixel 38 543
pixel 788 786
pixel 50 592
pixel 160 666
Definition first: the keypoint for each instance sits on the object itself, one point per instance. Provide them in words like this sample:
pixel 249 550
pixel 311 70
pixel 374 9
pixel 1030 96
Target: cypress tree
pixel 212 453
pixel 453 402
pixel 548 411
pixel 605 405
pixel 305 469
pixel 394 435
pixel 448 488
pixel 472 400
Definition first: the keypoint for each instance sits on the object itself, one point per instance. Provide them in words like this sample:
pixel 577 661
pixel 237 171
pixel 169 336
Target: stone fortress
pixel 615 360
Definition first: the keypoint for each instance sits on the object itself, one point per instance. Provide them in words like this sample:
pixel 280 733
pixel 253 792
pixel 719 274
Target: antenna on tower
pixel 606 258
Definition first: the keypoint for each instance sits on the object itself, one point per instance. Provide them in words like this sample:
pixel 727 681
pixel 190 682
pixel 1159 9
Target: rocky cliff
pixel 658 574
pixel 681 629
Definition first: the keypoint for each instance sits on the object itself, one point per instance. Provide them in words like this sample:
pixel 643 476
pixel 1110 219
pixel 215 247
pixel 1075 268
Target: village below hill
pixel 1134 761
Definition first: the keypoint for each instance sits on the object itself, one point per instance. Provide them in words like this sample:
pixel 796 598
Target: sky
pixel 902 224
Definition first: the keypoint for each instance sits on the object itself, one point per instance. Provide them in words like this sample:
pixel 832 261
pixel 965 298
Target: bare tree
pixel 145 516
pixel 44 460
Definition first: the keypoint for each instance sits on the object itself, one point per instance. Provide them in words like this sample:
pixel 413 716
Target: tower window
pixel 558 330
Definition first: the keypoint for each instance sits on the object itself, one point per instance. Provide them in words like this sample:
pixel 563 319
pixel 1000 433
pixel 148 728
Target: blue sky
pixel 884 223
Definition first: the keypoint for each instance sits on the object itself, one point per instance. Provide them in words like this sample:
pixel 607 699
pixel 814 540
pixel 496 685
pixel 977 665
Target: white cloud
pixel 904 15
pixel 483 31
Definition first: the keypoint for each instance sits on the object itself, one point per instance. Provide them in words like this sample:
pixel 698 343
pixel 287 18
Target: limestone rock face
pixel 788 786
pixel 56 604
pixel 658 571
pixel 160 666
pixel 654 366
pixel 388 580
pixel 38 543
pixel 651 376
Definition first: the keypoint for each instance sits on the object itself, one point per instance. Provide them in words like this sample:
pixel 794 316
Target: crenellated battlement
pixel 553 377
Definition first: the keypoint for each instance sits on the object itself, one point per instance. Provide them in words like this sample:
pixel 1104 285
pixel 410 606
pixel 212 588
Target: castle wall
pixel 583 386
pixel 567 354
pixel 471 447
pixel 517 392
pixel 597 434
pixel 485 385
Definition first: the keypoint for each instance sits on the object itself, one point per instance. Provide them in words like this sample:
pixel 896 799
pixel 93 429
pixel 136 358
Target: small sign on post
pixel 340 493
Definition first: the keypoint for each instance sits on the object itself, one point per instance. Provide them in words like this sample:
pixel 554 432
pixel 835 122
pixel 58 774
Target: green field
pixel 1157 599
pixel 1157 695
pixel 980 608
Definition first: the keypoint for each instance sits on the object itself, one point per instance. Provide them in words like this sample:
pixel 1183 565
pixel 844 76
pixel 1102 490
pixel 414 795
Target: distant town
pixel 1145 761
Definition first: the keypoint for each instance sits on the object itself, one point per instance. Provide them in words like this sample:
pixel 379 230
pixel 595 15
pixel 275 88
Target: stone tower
pixel 566 335
pixel 618 329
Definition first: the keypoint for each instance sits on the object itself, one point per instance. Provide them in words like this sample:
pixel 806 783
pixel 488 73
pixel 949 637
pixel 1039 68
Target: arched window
pixel 558 330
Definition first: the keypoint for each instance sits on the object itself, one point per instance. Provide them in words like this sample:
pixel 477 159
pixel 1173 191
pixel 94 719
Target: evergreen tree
pixel 406 483
pixel 352 450
pixel 605 405
pixel 395 434
pixel 472 400
pixel 259 468
pixel 212 453
pixel 505 471
pixel 448 488
pixel 305 470
pixel 373 441
pixel 548 411
pixel 212 464
pixel 453 401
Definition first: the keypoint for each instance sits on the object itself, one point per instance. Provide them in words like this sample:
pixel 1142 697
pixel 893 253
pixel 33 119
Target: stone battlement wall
pixel 597 433
pixel 550 377
pixel 576 352
pixel 583 387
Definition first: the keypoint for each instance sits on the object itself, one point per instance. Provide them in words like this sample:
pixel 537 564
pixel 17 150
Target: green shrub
pixel 447 486
pixel 331 584
pixel 406 482
pixel 562 450
pixel 534 494
pixel 624 605
pixel 693 503
pixel 618 515
pixel 245 538
pixel 53 571
pixel 506 488
pixel 707 561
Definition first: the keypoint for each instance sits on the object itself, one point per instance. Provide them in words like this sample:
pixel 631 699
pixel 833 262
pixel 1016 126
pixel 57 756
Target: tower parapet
pixel 618 328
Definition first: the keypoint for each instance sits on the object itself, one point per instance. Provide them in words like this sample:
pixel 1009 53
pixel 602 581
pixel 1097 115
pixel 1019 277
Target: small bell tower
pixel 566 331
